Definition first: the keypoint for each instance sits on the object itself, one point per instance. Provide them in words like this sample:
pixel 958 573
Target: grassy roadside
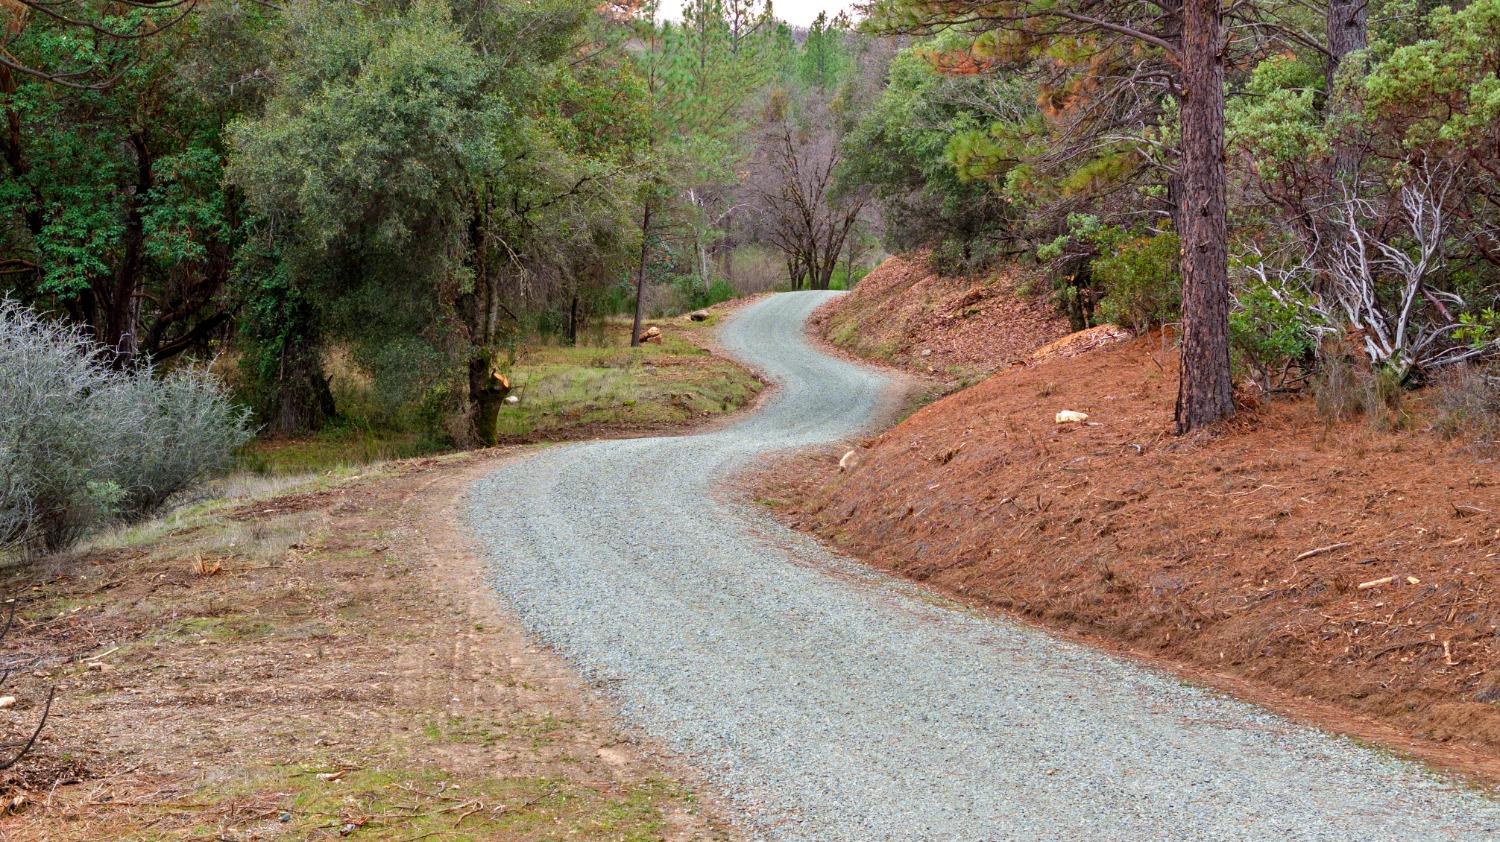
pixel 307 660
pixel 578 392
pixel 600 388
pixel 307 651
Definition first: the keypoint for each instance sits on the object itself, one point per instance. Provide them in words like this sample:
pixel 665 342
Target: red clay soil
pixel 1333 564
pixel 904 314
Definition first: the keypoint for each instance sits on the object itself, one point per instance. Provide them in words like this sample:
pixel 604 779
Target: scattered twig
pixel 1320 550
pixel 46 711
pixel 480 806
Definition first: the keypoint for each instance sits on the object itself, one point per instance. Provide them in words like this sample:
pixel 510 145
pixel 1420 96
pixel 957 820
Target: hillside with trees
pixel 368 218
pixel 1189 310
pixel 1282 185
pixel 1294 210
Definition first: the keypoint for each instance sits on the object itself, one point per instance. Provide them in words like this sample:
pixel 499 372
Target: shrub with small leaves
pixel 1142 288
pixel 1273 330
pixel 82 444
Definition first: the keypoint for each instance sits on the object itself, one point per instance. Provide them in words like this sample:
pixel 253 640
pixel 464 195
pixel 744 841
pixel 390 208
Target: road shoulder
pixel 320 661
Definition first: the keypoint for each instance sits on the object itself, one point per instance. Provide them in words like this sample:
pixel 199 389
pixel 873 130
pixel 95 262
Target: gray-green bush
pixel 82 444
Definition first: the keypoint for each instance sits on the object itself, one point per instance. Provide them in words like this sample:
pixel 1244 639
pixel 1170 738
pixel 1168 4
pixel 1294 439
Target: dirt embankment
pixel 313 663
pixel 1348 571
pixel 955 328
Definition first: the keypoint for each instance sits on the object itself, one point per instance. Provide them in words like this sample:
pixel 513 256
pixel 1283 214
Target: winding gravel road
pixel 830 702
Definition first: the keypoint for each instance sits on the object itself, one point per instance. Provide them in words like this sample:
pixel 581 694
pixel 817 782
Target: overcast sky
pixel 795 12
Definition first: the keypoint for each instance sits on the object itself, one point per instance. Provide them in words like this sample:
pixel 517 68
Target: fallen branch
pixel 1320 550
pixel 46 711
pixel 1375 583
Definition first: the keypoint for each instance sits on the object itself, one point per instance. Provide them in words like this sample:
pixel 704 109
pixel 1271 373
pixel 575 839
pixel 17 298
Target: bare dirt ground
pixel 955 329
pixel 1340 574
pixel 316 664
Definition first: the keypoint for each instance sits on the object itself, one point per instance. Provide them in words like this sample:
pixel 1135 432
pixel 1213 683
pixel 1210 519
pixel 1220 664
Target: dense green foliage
pixel 915 149
pixel 420 186
pixel 1363 177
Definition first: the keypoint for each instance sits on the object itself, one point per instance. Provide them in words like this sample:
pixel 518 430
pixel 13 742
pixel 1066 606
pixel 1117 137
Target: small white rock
pixel 512 399
pixel 849 461
pixel 7 702
pixel 1068 416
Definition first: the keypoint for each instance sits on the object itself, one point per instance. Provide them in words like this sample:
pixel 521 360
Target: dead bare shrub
pixel 1346 387
pixel 1466 405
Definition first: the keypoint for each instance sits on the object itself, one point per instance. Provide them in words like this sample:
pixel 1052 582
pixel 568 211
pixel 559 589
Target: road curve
pixel 830 702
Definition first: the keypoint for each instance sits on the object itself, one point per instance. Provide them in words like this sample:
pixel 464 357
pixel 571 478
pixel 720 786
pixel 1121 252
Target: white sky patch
pixel 794 12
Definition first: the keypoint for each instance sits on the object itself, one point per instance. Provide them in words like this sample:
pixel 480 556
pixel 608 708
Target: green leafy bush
pixel 693 295
pixel 82 444
pixel 1142 288
pixel 1273 330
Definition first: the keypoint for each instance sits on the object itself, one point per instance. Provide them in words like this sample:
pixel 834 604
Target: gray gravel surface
pixel 830 702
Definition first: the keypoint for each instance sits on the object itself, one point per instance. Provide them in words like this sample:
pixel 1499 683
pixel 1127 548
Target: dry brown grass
pixel 311 662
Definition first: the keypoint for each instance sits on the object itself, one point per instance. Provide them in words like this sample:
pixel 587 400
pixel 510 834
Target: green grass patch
pixel 236 628
pixel 538 730
pixel 338 447
pixel 563 392
pixel 563 388
pixel 401 803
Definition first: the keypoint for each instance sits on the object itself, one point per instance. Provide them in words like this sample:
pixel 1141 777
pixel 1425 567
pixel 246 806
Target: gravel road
pixel 829 702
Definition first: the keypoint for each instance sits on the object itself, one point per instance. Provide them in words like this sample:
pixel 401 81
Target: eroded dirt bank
pixel 954 329
pixel 1348 573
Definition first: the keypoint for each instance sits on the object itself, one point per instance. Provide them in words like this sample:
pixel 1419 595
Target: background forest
pixel 404 194
pixel 358 214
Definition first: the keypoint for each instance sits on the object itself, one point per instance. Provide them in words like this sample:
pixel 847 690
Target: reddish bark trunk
pixel 1205 390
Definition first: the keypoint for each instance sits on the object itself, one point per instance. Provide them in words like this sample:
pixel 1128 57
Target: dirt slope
pixel 956 328
pixel 1240 555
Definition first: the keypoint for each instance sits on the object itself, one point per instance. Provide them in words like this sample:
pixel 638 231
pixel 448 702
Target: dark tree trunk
pixel 573 319
pixel 120 327
pixel 16 164
pixel 640 276
pixel 1205 391
pixel 1348 31
pixel 303 401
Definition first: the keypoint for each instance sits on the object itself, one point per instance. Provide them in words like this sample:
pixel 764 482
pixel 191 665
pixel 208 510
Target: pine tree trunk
pixel 640 277
pixel 1204 390
pixel 1348 31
